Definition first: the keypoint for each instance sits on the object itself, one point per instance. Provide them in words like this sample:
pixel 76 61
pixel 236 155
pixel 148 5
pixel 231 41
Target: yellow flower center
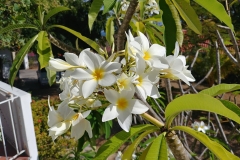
pixel 98 74
pixel 140 80
pixel 122 83
pixel 122 103
pixel 146 56
pixel 75 117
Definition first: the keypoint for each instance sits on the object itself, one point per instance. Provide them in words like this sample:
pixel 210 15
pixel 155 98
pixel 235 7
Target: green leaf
pixel 189 15
pixel 108 5
pixel 198 101
pixel 40 14
pixel 217 9
pixel 144 153
pixel 158 149
pixel 170 32
pixel 110 30
pixel 53 12
pixel 51 75
pixel 220 89
pixel 90 42
pixel 17 26
pixel 157 18
pixel 92 15
pixel 215 147
pixel 114 143
pixel 107 130
pixel 44 49
pixel 233 107
pixel 19 59
pixel 130 149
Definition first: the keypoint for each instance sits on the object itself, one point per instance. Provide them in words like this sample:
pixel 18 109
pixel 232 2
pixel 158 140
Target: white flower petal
pixel 53 117
pixel 88 87
pixel 111 67
pixel 144 42
pixel 150 89
pixel 110 113
pixel 141 91
pixel 58 65
pixel 125 125
pixel 60 128
pixel 107 80
pixel 111 95
pixel 157 50
pixel 138 107
pixel 86 113
pixel 91 60
pixel 81 74
pixel 72 59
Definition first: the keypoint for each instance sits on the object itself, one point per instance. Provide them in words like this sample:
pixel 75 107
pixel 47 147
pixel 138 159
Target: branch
pixel 62 45
pixel 124 26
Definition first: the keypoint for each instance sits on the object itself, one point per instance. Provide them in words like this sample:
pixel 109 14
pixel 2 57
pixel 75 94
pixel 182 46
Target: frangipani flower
pixel 72 61
pixel 151 54
pixel 122 107
pixel 201 127
pixel 98 72
pixel 177 67
pixel 145 82
pixel 125 82
pixel 63 118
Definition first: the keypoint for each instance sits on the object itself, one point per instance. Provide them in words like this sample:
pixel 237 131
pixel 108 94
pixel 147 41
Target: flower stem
pixel 152 120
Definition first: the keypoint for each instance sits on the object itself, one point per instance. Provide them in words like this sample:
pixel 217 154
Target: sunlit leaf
pixel 19 59
pixel 233 107
pixel 199 101
pixel 213 146
pixel 44 49
pixel 113 144
pixel 110 30
pixel 220 89
pixel 189 15
pixel 93 12
pixel 51 75
pixel 158 149
pixel 217 9
pixel 108 5
pixel 131 148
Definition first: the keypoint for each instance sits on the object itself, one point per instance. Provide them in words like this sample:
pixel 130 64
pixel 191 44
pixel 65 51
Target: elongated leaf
pixel 19 59
pixel 40 14
pixel 53 12
pixel 107 130
pixel 189 15
pixel 152 37
pixel 233 107
pixel 157 18
pixel 217 9
pixel 44 49
pixel 51 75
pixel 130 149
pixel 108 5
pixel 17 26
pixel 158 149
pixel 213 146
pixel 113 144
pixel 144 153
pixel 110 30
pixel 220 89
pixel 199 101
pixel 90 42
pixel 92 15
pixel 170 32
pixel 140 26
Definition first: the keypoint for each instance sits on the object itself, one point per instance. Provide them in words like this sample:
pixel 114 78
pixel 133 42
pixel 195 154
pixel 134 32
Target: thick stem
pixel 177 147
pixel 62 45
pixel 124 26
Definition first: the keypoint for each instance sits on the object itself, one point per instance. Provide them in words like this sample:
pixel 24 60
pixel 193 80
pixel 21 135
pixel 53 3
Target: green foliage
pixel 189 15
pixel 213 146
pixel 220 89
pixel 110 30
pixel 158 149
pixel 197 102
pixel 92 15
pixel 131 148
pixel 19 59
pixel 217 9
pixel 113 144
pixel 47 149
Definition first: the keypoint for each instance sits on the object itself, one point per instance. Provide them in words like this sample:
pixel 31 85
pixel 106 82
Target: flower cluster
pixel 201 127
pixel 91 77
